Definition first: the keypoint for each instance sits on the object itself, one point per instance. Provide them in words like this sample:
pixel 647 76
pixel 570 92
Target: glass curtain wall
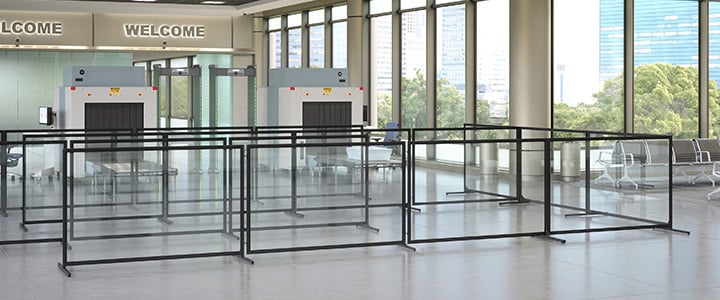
pixel 588 68
pixel 381 68
pixel 450 62
pixel 666 67
pixel 294 22
pixel 414 69
pixel 316 19
pixel 714 70
pixel 275 43
pixel 493 64
pixel 339 38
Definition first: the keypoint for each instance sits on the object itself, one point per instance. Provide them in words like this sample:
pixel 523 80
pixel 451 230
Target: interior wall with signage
pixel 29 79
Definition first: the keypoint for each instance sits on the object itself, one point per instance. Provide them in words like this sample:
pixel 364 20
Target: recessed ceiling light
pixel 144 0
pixel 213 2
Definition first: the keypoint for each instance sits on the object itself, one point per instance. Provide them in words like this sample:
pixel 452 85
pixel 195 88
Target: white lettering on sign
pixel 30 28
pixel 164 31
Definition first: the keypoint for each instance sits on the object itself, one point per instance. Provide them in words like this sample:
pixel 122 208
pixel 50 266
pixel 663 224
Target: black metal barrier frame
pixel 518 197
pixel 68 205
pixel 248 139
pixel 171 134
pixel 366 206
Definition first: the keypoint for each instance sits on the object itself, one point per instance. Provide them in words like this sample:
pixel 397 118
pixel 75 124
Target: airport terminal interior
pixel 359 149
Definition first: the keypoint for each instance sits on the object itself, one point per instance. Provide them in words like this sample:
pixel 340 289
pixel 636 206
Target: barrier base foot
pixel 368 227
pixel 64 270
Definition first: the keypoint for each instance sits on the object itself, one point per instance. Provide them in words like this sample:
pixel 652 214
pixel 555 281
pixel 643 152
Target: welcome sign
pixel 45 28
pixel 164 31
pixel 125 30
pixel 30 27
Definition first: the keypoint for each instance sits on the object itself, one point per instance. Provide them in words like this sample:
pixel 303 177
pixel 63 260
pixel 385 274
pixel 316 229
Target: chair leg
pixel 627 178
pixel 605 175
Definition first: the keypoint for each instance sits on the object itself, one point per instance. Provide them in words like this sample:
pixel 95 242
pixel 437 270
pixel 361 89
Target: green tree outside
pixel 666 102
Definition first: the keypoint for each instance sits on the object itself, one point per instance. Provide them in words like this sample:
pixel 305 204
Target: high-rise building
pixel 665 31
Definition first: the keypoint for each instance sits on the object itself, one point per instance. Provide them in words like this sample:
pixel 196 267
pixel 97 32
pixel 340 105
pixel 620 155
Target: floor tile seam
pixel 664 288
pixel 660 293
pixel 19 273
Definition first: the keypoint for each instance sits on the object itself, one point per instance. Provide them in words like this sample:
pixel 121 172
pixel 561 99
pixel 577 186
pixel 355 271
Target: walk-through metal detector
pixel 193 73
pixel 249 72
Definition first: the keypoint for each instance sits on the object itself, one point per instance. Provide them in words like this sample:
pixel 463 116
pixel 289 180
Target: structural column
pixel 261 53
pixel 355 42
pixel 530 77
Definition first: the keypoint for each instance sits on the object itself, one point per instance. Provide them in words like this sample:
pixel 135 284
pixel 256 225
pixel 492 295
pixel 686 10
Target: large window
pixel 714 70
pixel 414 70
pixel 588 82
pixel 294 41
pixel 275 43
pixel 381 68
pixel 450 62
pixel 492 89
pixel 339 38
pixel 666 67
pixel 316 19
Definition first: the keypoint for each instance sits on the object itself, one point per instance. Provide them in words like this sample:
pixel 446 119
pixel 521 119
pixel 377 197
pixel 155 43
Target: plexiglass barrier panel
pixel 474 197
pixel 627 182
pixel 325 199
pixel 147 203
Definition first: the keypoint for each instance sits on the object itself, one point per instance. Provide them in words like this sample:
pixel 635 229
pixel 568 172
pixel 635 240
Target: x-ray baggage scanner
pixel 113 98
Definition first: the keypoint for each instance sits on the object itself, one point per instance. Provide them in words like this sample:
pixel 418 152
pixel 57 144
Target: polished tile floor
pixel 639 264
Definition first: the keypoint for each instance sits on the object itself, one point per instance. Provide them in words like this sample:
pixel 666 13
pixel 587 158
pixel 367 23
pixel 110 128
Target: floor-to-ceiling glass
pixel 588 61
pixel 294 33
pixel 493 64
pixel 317 38
pixel 339 37
pixel 381 68
pixel 274 43
pixel 714 70
pixel 666 67
pixel 414 70
pixel 450 107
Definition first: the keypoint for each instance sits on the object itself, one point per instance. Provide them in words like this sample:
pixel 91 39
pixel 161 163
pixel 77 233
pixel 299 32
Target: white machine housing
pixel 290 113
pixel 291 99
pixel 71 111
pixel 72 114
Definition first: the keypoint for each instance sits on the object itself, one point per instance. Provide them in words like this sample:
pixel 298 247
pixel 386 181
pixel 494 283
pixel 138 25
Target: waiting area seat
pixel 685 155
pixel 701 155
pixel 12 160
pixel 626 155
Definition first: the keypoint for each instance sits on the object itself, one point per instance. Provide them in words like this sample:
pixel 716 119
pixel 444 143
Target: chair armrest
pixel 631 158
pixel 603 160
pixel 715 167
pixel 708 156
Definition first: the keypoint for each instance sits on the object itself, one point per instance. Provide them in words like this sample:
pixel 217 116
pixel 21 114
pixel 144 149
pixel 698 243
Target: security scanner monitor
pixel 45 116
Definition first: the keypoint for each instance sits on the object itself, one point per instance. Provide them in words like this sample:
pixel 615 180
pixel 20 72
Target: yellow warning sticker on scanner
pixel 327 91
pixel 114 91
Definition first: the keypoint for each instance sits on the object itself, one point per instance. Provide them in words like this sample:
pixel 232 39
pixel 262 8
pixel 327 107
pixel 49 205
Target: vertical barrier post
pixel 245 232
pixel 587 172
pixel 3 170
pixel 293 175
pixel 165 180
pixel 518 165
pixel 62 265
pixel 547 185
pixel 24 187
pixel 227 189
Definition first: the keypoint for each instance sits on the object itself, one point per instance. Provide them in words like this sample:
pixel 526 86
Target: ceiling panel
pixel 194 2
